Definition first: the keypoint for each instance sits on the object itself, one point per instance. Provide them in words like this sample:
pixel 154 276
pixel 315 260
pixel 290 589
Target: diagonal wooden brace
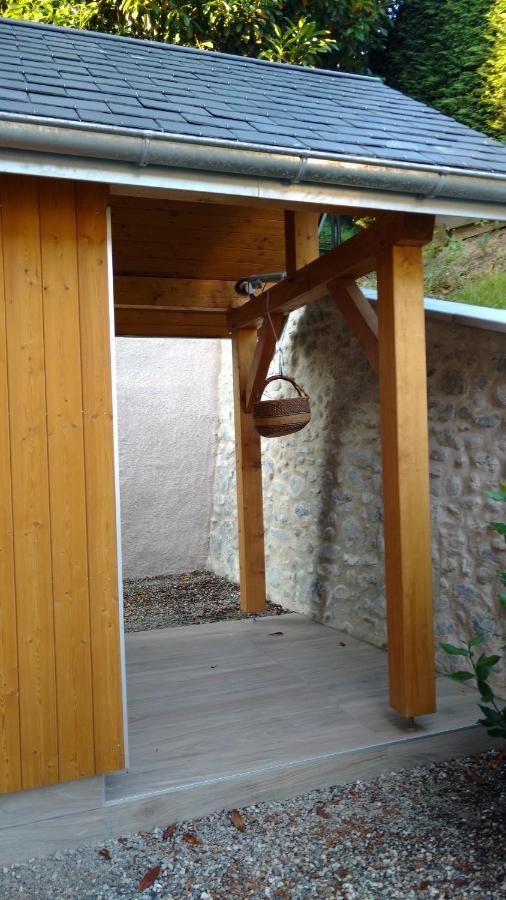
pixel 359 315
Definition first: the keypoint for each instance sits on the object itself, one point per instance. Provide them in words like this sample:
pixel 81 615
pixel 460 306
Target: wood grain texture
pixel 30 481
pixel 193 240
pixel 10 747
pixel 91 200
pixel 249 480
pixel 355 257
pixel 405 463
pixel 219 700
pixel 204 323
pixel 67 479
pixel 131 290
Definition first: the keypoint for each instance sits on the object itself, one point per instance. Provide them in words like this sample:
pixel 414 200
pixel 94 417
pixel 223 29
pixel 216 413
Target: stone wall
pixel 167 421
pixel 322 487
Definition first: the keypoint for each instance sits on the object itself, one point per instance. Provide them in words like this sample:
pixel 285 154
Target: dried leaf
pixel 105 853
pixel 191 838
pixel 474 776
pixel 321 811
pixel 274 633
pixel 150 876
pixel 237 820
pixel 169 831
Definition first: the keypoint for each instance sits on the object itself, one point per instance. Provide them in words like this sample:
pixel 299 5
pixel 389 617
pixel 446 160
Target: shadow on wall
pixel 323 490
pixel 167 393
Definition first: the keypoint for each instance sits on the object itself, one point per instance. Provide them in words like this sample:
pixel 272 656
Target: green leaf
pixel 460 676
pixel 486 692
pixel 455 651
pixel 500 527
pixel 479 639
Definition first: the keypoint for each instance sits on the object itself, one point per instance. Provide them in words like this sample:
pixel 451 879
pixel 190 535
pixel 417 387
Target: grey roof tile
pixel 50 72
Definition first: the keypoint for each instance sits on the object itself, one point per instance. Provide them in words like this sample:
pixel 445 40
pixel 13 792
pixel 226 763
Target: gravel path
pixel 436 831
pixel 188 599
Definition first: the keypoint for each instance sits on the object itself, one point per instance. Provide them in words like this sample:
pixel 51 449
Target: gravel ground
pixel 436 831
pixel 188 599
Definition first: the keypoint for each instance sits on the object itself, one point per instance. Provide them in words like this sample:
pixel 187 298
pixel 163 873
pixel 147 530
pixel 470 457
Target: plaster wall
pixel 323 489
pixel 167 421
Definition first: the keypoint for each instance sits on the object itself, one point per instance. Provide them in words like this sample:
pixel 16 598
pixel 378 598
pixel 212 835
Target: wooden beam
pixel 249 481
pixel 131 321
pixel 404 435
pixel 301 247
pixel 138 290
pixel 359 315
pixel 354 258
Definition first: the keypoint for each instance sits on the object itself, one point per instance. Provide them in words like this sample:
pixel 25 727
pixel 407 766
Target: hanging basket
pixel 275 418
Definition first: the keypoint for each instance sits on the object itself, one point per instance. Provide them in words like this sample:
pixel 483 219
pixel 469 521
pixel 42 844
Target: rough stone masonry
pixel 323 491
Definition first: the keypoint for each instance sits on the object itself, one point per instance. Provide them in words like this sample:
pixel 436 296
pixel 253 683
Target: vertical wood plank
pixel 404 433
pixel 30 484
pixel 249 480
pixel 99 462
pixel 66 478
pixel 10 748
pixel 301 239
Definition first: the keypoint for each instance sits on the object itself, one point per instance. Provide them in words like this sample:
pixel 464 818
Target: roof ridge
pixel 83 32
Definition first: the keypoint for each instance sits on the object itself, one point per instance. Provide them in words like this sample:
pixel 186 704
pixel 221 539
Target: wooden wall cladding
pixel 195 240
pixel 60 676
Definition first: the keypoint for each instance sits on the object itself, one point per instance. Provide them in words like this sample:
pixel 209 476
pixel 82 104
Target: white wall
pixel 167 423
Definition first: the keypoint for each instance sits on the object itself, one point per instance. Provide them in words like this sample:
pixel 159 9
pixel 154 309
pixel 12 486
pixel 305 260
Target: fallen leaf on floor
pixel 237 820
pixel 169 831
pixel 150 876
pixel 474 776
pixel 274 633
pixel 191 838
pixel 496 760
pixel 321 811
pixel 105 853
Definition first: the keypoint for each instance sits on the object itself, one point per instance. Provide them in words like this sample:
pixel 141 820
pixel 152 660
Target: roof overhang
pixel 131 160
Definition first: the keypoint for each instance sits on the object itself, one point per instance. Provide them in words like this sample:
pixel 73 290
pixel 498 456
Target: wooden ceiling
pixel 175 239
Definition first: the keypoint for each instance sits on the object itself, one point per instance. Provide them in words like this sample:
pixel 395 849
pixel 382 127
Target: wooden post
pixel 249 480
pixel 404 432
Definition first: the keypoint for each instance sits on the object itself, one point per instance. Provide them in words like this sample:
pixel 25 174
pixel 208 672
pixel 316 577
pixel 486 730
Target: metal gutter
pixel 486 317
pixel 139 151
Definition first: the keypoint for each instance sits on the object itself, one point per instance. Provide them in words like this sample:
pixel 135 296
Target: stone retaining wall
pixel 322 487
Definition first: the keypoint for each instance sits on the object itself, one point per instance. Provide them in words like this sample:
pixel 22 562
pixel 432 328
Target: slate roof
pixel 84 77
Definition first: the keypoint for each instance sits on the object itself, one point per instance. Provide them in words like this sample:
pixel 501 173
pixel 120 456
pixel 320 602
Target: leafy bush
pixel 451 55
pixel 494 717
pixel 323 32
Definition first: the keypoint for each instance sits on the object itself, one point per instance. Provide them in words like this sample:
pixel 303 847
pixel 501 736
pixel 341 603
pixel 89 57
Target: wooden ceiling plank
pixel 170 323
pixel 132 290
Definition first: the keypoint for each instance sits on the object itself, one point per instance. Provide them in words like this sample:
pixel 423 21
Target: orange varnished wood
pixel 405 452
pixel 91 203
pixel 67 479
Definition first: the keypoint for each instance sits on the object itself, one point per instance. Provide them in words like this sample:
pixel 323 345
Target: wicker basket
pixel 275 418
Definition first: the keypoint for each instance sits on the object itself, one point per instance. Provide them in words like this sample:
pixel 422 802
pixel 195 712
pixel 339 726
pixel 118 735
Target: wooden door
pixel 60 671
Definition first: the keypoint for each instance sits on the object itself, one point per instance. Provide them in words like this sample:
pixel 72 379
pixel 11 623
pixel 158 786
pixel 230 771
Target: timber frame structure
pixel 114 219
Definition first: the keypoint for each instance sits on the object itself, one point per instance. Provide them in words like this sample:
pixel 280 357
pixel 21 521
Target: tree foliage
pixel 452 55
pixel 322 32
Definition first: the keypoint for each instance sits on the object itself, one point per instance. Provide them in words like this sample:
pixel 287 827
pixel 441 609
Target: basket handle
pixel 301 392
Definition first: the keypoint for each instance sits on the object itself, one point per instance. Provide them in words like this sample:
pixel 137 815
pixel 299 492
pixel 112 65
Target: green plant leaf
pixel 486 692
pixel 455 651
pixel 460 676
pixel 479 639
